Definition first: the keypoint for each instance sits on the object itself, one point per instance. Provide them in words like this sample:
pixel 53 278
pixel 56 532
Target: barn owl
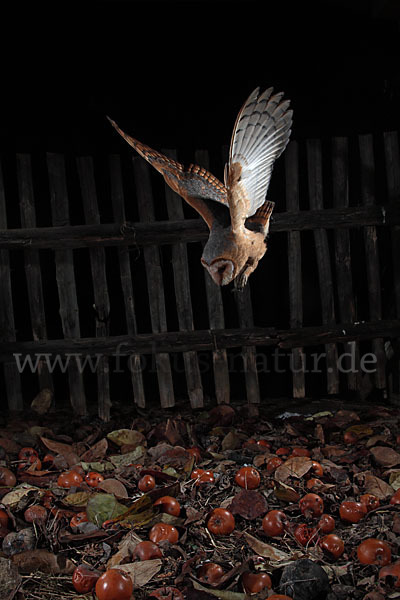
pixel 236 211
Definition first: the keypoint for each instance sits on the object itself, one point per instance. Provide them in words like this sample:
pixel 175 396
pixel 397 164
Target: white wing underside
pixel 260 135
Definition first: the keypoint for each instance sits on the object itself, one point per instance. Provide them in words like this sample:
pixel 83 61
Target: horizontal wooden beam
pixel 189 230
pixel 183 341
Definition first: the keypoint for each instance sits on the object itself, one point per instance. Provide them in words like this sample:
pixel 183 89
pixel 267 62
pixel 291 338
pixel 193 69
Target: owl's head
pixel 222 270
pixel 223 256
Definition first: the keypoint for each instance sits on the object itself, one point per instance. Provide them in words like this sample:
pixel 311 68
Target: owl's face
pixel 222 256
pixel 222 270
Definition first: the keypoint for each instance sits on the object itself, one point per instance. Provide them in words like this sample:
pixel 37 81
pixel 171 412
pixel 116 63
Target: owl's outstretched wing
pixel 260 135
pixel 197 186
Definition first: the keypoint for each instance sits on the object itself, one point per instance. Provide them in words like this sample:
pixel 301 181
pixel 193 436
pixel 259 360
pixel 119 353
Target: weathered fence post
pixel 117 198
pixel 294 263
pixel 12 376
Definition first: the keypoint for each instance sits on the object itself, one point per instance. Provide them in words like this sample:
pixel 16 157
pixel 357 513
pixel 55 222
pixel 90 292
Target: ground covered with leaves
pixel 70 495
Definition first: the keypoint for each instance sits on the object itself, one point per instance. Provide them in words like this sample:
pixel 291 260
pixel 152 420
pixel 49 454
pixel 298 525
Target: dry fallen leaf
pixel 385 456
pixel 223 594
pixel 31 561
pixel 113 486
pixel 265 550
pixel 297 466
pixel 42 402
pixel 249 504
pixel 79 499
pixel 96 452
pixel 141 572
pixel 377 487
pixel 120 437
pixel 125 549
pixel 285 492
pixel 231 441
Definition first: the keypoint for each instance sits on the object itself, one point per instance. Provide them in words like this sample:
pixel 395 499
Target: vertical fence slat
pixel 32 264
pixel 392 156
pixel 216 318
pixel 294 262
pixel 154 281
pixel 183 296
pixel 314 166
pixel 99 277
pixel 245 315
pixel 117 197
pixel 249 353
pixel 347 308
pixel 371 253
pixel 65 276
pixel 12 376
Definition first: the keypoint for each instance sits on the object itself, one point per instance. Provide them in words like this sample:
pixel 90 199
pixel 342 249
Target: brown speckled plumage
pixel 236 213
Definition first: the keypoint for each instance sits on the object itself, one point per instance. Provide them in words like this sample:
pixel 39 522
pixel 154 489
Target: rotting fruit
pixel 326 523
pixel 7 477
pixel 254 583
pixel 395 499
pixel 80 517
pixel 166 593
pixel 169 505
pixel 370 502
pixel 283 451
pixel 300 452
pixel 26 453
pixel 311 505
pixel 374 552
pixel 263 444
pixel 317 468
pixel 3 518
pixel 114 584
pixel 163 531
pixel 69 479
pixel 304 534
pixel 314 482
pixel 35 514
pixel 391 571
pixel 273 464
pixel 195 452
pixel 332 544
pixel 349 437
pixel 274 523
pixel 248 478
pixel 210 572
pixel 146 550
pixel 84 578
pixel 352 512
pixel 93 479
pixel 220 522
pixel 146 483
pixel 202 476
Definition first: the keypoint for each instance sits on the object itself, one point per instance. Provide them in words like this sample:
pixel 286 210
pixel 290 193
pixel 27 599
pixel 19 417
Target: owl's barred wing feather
pixel 260 135
pixel 261 219
pixel 197 186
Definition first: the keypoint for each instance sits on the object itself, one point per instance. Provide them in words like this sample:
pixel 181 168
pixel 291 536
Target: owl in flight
pixel 236 211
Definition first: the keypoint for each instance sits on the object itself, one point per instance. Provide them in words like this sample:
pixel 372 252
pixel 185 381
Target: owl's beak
pixel 221 270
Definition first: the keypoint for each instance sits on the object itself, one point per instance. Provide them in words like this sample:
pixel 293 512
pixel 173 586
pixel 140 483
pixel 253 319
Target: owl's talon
pixel 240 282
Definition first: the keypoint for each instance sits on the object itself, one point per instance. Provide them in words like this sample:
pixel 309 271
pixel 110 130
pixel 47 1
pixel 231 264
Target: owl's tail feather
pixel 261 219
pixel 156 159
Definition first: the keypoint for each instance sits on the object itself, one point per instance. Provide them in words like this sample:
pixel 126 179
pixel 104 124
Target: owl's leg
pixel 241 280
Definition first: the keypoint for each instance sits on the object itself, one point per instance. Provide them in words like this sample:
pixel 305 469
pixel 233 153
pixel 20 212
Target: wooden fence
pixel 361 193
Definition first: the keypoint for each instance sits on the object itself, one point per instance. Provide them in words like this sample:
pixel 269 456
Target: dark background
pixel 174 74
